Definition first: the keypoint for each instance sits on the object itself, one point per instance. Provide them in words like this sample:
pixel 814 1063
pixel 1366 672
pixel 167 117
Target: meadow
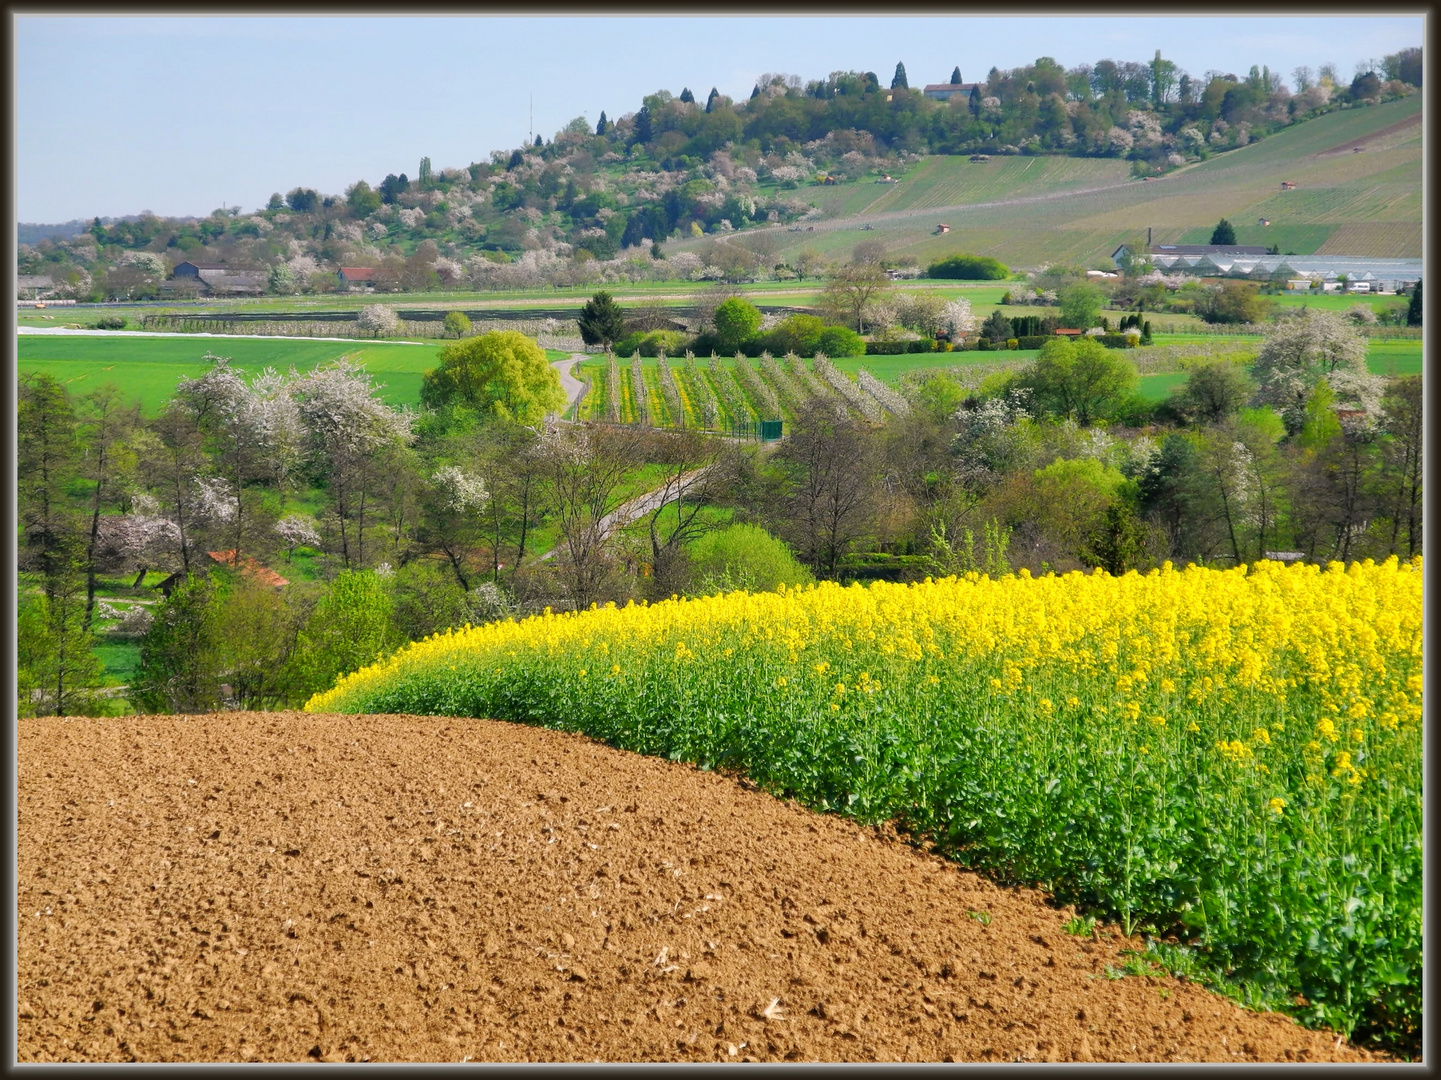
pixel 1230 759
pixel 149 368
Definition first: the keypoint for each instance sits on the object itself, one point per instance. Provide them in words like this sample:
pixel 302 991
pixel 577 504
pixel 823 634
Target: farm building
pixel 219 279
pixel 942 229
pixel 31 286
pixel 946 91
pixel 1288 185
pixel 261 575
pixel 357 277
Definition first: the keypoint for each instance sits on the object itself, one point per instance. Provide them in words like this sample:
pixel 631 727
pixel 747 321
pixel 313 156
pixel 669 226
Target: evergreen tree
pixel 47 460
pixel 756 91
pixel 642 125
pixel 601 320
pixel 1413 312
pixel 899 82
pixel 425 176
pixel 956 75
pixel 687 96
pixel 516 158
pixel 873 83
pixel 710 101
pixel 974 101
pixel 539 142
pixel 1224 233
pixel 600 125
pixel 180 657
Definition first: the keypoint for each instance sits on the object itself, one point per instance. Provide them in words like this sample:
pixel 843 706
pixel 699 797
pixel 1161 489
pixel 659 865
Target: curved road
pixel 573 387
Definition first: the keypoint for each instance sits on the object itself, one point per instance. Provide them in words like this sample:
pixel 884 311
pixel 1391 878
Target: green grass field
pixel 1030 211
pixel 149 368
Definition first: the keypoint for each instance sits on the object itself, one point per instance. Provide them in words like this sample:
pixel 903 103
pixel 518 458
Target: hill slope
pixel 1030 210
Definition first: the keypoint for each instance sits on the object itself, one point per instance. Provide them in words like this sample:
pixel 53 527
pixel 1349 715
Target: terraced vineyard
pixel 719 393
pixel 1032 210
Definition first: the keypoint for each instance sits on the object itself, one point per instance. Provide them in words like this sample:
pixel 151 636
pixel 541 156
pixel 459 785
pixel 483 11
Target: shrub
pixel 110 322
pixel 841 341
pixel 744 557
pixel 969 268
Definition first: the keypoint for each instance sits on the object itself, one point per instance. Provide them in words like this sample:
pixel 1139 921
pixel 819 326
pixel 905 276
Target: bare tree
pixel 1401 455
pixel 830 496
pixel 583 468
pixel 105 424
pixel 851 292
pixel 692 473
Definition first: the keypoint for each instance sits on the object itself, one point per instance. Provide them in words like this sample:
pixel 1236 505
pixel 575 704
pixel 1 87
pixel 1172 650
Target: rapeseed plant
pixel 1237 761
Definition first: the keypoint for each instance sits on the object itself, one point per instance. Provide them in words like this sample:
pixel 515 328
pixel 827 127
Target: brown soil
pixel 272 887
pixel 1371 137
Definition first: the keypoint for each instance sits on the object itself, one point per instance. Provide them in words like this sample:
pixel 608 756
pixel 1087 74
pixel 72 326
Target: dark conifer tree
pixel 1224 233
pixel 899 82
pixel 1413 312
pixel 956 75
pixel 687 96
pixel 600 125
pixel 710 101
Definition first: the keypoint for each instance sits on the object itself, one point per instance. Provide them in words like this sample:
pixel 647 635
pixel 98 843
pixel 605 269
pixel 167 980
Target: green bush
pixel 799 334
pixel 841 341
pixel 744 557
pixel 654 342
pixel 969 268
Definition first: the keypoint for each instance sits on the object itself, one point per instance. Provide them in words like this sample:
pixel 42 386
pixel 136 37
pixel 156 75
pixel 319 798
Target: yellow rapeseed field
pixel 1231 755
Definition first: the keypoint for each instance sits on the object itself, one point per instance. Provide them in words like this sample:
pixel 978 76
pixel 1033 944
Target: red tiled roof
pixel 1060 331
pixel 358 273
pixel 261 575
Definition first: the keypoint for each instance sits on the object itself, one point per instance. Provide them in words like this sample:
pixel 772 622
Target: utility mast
pixel 530 138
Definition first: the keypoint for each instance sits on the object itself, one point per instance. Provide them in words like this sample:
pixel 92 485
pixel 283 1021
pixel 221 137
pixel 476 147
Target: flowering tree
pixel 350 433
pixel 1299 352
pixel 296 530
pixel 378 319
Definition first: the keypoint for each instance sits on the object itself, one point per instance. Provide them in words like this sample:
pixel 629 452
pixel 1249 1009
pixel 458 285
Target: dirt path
pixel 60 331
pixel 573 387
pixel 278 887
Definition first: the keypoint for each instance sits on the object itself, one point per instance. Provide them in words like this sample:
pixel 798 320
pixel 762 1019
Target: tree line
pixel 394 524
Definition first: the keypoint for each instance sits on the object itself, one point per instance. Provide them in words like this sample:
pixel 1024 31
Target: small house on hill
pixel 942 229
pixel 1288 185
pixel 946 91
pixel 357 277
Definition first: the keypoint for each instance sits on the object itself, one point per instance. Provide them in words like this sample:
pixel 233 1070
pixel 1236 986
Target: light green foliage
pixel 799 334
pixel 1081 304
pixel 351 626
pixel 736 321
pixel 457 323
pixel 744 557
pixel 841 341
pixel 969 268
pixel 56 668
pixel 180 658
pixel 1081 380
pixel 503 372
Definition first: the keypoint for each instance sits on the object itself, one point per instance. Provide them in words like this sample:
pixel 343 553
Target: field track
pixel 289 886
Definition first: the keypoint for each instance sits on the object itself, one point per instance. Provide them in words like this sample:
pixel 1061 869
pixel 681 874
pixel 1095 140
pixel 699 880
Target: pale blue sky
pixel 180 115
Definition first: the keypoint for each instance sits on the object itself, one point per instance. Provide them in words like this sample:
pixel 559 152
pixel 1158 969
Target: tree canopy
pixel 503 372
pixel 1223 233
pixel 1082 380
pixel 601 320
pixel 735 321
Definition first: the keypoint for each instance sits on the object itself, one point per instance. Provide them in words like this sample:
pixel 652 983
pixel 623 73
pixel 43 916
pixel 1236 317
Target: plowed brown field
pixel 277 887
